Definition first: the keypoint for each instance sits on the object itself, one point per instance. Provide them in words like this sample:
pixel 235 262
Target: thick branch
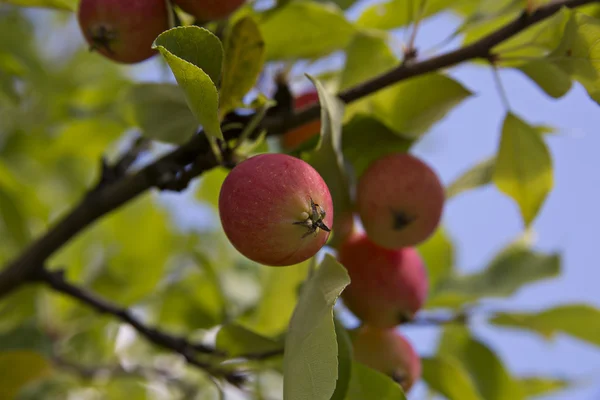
pixel 198 154
pixel 56 280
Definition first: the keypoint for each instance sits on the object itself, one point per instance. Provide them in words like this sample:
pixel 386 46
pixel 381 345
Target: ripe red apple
pixel 123 30
pixel 400 200
pixel 276 209
pixel 296 136
pixel 209 10
pixel 388 352
pixel 387 286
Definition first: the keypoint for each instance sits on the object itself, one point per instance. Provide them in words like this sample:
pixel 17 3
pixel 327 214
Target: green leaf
pixel 367 44
pixel 523 167
pixel 278 300
pixel 578 54
pixel 238 341
pixel 327 157
pixel 367 383
pixel 397 13
pixel 310 364
pixel 244 59
pixel 15 220
pixel 161 111
pixel 550 78
pixel 538 386
pixel 195 56
pixel 578 320
pixel 446 376
pixel 413 106
pixel 438 255
pixel 345 351
pixel 19 368
pixel 480 175
pixel 487 371
pixel 311 29
pixel 210 186
pixel 365 139
pixel 69 5
pixel 513 268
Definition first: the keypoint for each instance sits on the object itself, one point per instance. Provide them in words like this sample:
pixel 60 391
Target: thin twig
pixel 56 280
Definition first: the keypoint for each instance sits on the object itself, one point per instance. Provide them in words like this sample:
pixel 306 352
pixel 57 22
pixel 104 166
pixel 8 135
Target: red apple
pixel 400 200
pixel 276 209
pixel 388 352
pixel 296 136
pixel 123 30
pixel 209 10
pixel 387 286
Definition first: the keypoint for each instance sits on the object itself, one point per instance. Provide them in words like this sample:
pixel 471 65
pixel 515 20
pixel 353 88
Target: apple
pixel 387 287
pixel 209 10
pixel 400 200
pixel 296 136
pixel 121 30
pixel 276 209
pixel 389 352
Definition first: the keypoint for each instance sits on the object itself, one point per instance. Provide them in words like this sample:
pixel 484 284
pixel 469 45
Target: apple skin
pixel 209 10
pixel 400 200
pixel 389 352
pixel 261 202
pixel 296 136
pixel 123 31
pixel 387 287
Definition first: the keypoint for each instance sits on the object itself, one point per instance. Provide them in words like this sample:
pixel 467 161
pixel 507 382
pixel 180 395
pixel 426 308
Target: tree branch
pixel 196 154
pixel 56 280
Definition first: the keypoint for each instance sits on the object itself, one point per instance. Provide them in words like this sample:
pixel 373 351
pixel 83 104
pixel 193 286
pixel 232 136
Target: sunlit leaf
pixel 279 297
pixel 578 320
pixel 446 376
pixel 396 13
pixel 479 175
pixel 412 107
pixel 513 268
pixel 550 78
pixel 538 386
pixel 244 59
pixel 438 254
pixel 195 56
pixel 321 30
pixel 310 362
pixel 523 167
pixel 486 369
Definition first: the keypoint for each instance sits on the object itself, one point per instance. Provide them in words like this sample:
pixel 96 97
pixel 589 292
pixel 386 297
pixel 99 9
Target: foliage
pixel 64 109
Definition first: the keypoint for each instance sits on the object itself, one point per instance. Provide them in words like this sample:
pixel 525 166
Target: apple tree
pixel 206 199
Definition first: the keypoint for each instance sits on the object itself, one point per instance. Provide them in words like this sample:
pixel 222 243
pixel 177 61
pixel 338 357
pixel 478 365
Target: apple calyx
pixel 102 36
pixel 313 220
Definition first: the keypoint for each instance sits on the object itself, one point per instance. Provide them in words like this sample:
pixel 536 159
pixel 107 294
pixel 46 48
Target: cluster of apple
pixel 124 30
pixel 400 201
pixel 277 210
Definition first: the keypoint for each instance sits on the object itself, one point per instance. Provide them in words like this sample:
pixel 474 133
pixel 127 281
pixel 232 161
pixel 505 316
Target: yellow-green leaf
pixel 244 59
pixel 367 383
pixel 523 167
pixel 311 30
pixel 578 320
pixel 19 368
pixel 195 56
pixel 446 376
pixel 479 175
